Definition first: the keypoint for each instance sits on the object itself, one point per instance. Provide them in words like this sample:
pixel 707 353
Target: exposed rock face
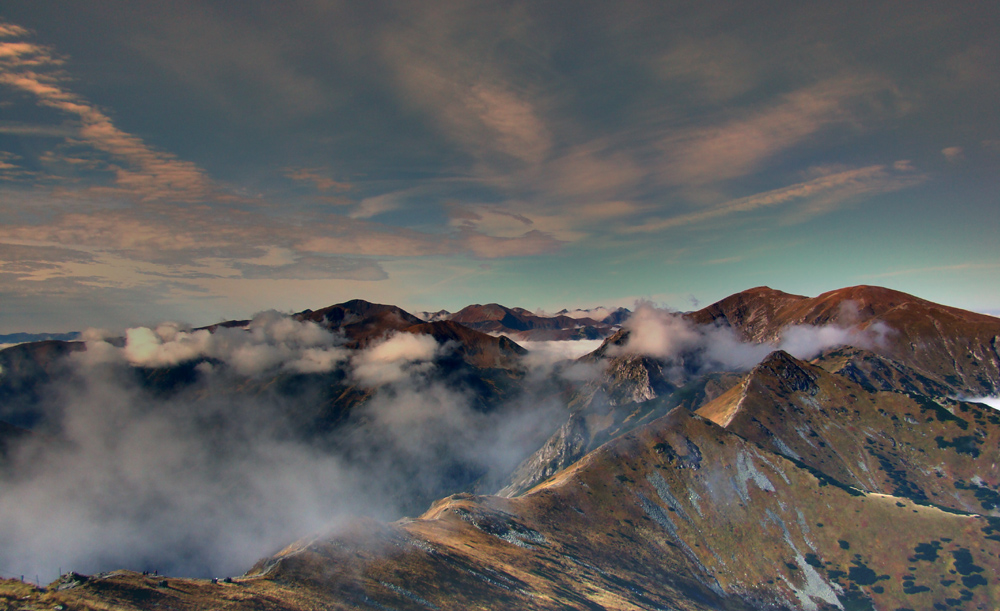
pixel 633 392
pixel 564 448
pixel 635 389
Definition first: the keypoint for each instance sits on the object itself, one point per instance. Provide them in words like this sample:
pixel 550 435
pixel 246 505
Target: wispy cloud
pixel 742 145
pixel 317 178
pixel 725 260
pixel 409 243
pixel 817 195
pixel 10 128
pixel 476 101
pixel 138 169
pixel 145 239
pixel 934 269
pixel 11 30
pixel 379 204
pixel 718 68
pixel 454 131
pixel 953 154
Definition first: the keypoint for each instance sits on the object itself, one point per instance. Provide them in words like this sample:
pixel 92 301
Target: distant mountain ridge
pixel 522 324
pixel 21 338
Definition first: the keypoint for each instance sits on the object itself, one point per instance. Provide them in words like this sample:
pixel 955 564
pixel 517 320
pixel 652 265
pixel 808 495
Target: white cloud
pixel 270 341
pixel 817 195
pixel 993 402
pixel 659 333
pixel 217 472
pixel 544 354
pixel 396 359
pixel 669 336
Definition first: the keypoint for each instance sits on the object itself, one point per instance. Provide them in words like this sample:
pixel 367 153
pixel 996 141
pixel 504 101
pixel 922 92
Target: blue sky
pixel 205 160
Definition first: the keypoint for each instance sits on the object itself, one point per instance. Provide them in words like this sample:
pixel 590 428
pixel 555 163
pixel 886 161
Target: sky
pixel 201 161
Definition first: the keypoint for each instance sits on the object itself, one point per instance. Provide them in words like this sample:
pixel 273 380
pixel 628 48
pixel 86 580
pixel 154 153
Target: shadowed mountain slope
pixel 332 411
pixel 875 372
pixel 25 370
pixel 478 349
pixel 633 388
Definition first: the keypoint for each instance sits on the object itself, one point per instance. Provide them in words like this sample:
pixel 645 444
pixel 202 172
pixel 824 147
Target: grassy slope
pixel 681 514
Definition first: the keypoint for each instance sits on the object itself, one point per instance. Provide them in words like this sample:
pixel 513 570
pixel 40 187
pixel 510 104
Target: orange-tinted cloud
pixel 741 146
pixel 320 181
pixel 819 194
pixel 138 170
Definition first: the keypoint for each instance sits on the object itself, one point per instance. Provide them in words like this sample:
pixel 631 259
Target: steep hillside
pixel 634 388
pixel 679 514
pixel 875 372
pixel 632 392
pixel 886 442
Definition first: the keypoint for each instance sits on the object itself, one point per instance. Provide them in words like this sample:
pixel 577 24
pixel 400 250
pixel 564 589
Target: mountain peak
pixel 790 370
pixel 361 321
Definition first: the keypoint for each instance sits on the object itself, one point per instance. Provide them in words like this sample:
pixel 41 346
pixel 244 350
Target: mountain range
pixel 769 451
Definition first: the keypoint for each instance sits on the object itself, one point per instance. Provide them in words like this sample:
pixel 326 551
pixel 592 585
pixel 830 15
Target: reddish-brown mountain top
pixel 954 346
pixel 761 313
pixel 361 321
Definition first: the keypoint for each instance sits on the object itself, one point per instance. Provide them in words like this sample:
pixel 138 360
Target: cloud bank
pixel 196 453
